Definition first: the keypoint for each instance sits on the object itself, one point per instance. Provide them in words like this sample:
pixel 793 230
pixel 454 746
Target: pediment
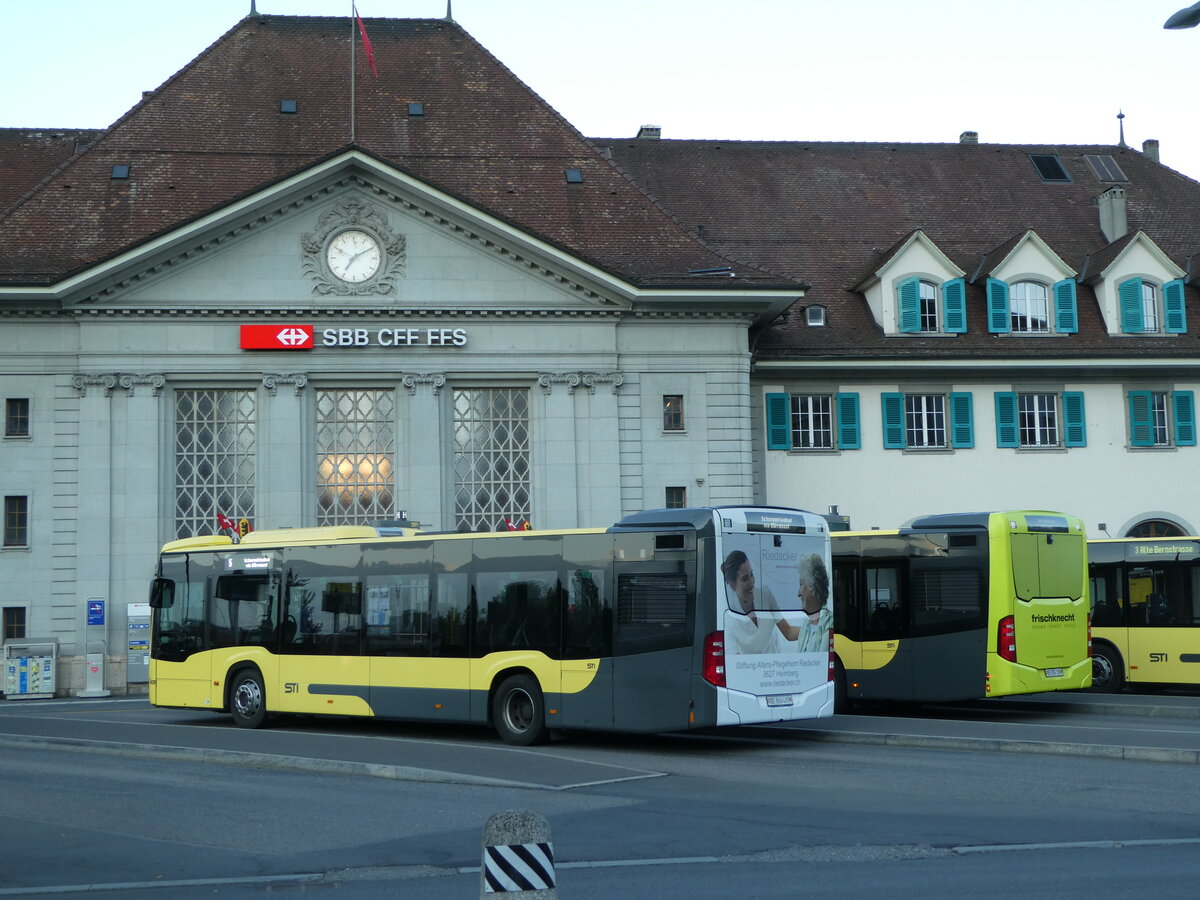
pixel 1029 257
pixel 270 252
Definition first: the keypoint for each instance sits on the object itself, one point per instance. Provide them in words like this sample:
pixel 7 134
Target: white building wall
pixel 1106 482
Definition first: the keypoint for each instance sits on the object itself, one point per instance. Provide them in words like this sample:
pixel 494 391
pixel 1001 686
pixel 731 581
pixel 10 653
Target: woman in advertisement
pixel 814 593
pixel 752 631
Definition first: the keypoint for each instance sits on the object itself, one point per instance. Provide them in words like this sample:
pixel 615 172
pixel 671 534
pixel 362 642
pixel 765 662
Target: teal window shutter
pixel 908 294
pixel 779 432
pixel 962 424
pixel 1006 419
pixel 1075 430
pixel 999 321
pixel 1174 314
pixel 1130 293
pixel 1141 419
pixel 893 421
pixel 1066 318
pixel 849 432
pixel 1185 418
pixel 954 306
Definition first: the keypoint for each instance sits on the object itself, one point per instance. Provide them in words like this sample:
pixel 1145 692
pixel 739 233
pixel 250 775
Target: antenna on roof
pixel 1121 122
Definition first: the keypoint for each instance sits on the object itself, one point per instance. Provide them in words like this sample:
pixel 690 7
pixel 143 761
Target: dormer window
pixel 1148 309
pixel 814 316
pixel 928 308
pixel 1029 308
pixel 1023 307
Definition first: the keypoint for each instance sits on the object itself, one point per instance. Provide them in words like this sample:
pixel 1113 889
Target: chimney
pixel 1150 149
pixel 969 137
pixel 652 132
pixel 1114 223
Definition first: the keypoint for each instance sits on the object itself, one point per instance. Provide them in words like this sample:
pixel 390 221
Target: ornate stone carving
pixel 272 380
pixel 353 213
pixel 156 383
pixel 574 379
pixel 410 382
pixel 82 382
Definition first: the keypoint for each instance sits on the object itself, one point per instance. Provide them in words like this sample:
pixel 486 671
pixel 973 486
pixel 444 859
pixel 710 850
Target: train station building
pixel 255 300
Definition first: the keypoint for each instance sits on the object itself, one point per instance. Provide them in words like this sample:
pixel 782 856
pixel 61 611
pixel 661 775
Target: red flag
pixel 225 523
pixel 362 30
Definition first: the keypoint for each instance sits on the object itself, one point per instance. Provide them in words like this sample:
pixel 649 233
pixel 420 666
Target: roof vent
pixel 289 107
pixel 969 137
pixel 574 176
pixel 651 132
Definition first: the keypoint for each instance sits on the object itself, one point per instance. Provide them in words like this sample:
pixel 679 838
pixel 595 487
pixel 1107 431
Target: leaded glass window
pixel 491 458
pixel 215 442
pixel 356 456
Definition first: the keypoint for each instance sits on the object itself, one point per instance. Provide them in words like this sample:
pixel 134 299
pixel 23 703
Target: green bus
pixel 962 606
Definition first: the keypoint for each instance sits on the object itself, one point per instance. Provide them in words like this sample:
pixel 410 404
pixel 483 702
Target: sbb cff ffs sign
pixel 277 337
pixel 305 337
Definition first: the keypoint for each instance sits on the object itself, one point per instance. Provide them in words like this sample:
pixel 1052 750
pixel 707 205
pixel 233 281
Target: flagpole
pixel 353 38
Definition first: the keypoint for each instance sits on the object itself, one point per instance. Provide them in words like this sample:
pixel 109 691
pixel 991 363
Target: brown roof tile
pixel 827 213
pixel 214 133
pixel 28 155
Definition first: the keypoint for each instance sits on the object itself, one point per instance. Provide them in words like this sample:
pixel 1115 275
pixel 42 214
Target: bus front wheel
pixel 519 711
pixel 248 699
pixel 1108 670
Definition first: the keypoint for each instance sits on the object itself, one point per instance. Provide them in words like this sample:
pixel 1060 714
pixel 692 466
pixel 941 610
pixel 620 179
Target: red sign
pixel 277 337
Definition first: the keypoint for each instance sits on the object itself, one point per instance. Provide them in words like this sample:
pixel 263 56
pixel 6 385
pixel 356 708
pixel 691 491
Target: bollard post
pixel 518 856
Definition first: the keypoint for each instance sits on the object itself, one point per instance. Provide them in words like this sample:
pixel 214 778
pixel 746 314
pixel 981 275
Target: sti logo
pixel 277 337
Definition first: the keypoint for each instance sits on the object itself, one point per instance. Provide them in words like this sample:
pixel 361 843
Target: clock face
pixel 354 256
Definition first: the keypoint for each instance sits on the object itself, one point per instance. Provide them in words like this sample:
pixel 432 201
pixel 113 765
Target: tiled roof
pixel 27 155
pixel 828 214
pixel 214 133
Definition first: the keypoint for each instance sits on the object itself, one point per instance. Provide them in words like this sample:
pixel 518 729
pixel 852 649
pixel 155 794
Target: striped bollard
pixel 518 857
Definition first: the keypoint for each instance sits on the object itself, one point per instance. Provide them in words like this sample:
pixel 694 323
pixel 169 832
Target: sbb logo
pixel 277 337
pixel 344 337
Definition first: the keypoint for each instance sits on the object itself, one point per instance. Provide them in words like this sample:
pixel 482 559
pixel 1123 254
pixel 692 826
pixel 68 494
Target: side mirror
pixel 162 593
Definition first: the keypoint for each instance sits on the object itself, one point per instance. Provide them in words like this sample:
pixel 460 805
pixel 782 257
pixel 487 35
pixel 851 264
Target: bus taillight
pixel 1006 639
pixel 713 670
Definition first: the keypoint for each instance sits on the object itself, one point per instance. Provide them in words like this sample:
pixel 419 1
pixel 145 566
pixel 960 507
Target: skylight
pixel 1050 167
pixel 288 106
pixel 121 172
pixel 1106 168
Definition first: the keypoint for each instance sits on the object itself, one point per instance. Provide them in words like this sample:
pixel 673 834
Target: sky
pixel 1017 71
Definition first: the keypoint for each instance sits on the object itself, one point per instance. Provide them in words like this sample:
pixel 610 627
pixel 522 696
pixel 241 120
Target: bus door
pixel 587 665
pixel 887 664
pixel 1049 574
pixel 322 668
pixel 847 610
pixel 1162 603
pixel 180 674
pixel 655 589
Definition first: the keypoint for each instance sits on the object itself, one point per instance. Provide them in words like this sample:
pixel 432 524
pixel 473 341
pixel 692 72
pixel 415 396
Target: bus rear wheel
pixel 1108 670
pixel 519 711
pixel 248 699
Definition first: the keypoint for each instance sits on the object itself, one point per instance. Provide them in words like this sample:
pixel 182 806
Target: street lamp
pixel 1185 18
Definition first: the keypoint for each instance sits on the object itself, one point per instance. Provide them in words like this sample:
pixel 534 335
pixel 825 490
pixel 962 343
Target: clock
pixel 354 256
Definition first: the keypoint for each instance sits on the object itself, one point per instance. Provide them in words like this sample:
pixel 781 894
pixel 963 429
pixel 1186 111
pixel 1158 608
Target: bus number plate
pixel 1054 673
pixel 781 700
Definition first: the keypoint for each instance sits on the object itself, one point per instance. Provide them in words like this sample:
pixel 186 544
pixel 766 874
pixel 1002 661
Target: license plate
pixel 781 700
pixel 1054 673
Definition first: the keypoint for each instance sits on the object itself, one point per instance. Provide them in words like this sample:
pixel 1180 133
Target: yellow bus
pixel 1145 612
pixel 669 620
pixel 959 607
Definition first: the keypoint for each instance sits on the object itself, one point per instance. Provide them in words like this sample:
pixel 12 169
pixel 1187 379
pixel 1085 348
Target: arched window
pixel 1030 307
pixel 1155 528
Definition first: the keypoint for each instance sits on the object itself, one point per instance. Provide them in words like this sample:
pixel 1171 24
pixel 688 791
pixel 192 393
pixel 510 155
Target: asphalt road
pixel 1062 796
